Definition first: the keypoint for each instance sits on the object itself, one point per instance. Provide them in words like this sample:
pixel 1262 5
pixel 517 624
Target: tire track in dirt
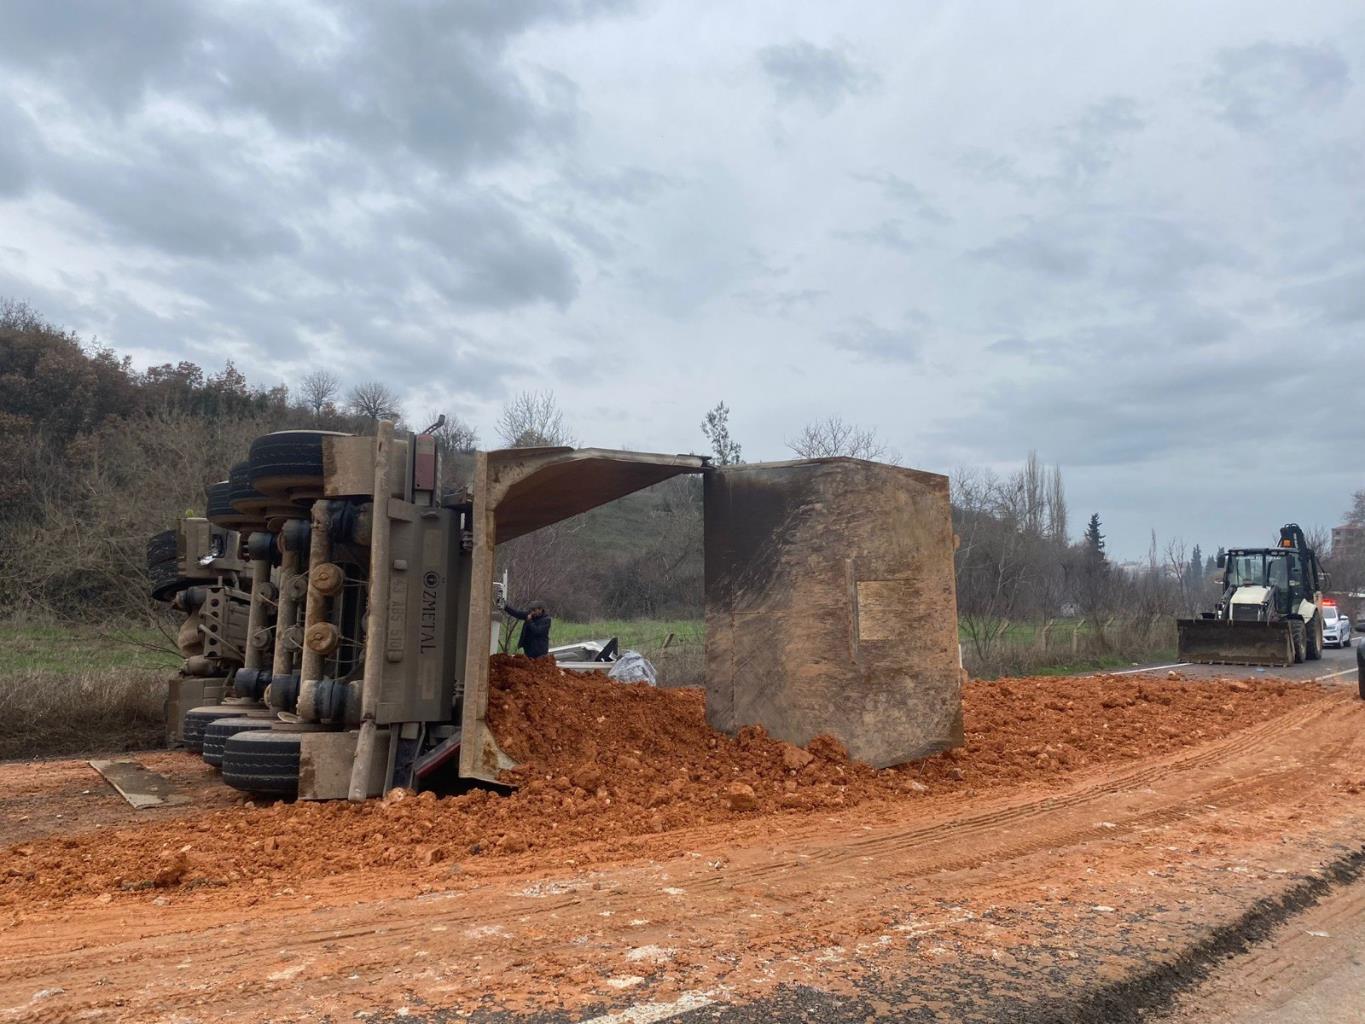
pixel 889 856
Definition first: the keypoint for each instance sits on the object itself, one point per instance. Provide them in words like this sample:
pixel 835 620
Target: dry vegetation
pixel 66 690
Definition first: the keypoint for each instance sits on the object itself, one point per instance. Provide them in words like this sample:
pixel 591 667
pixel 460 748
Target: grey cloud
pixel 1039 249
pixel 1144 253
pixel 430 79
pixel 888 234
pixel 1132 390
pixel 1009 347
pixel 782 302
pixel 1076 153
pixel 906 194
pixel 1338 299
pixel 992 167
pixel 1089 145
pixel 821 76
pixel 16 144
pixel 876 343
pixel 175 200
pixel 1255 85
pixel 623 185
pixel 480 254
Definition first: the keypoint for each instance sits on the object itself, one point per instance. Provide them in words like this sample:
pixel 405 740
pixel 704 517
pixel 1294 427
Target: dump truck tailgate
pixel 830 606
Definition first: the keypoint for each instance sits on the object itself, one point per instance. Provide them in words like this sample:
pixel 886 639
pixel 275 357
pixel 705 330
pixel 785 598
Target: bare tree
pixel 1033 493
pixel 319 389
pixel 1179 566
pixel 716 427
pixel 532 419
pixel 833 437
pixel 1355 515
pixel 1056 506
pixel 453 434
pixel 1319 538
pixel 374 401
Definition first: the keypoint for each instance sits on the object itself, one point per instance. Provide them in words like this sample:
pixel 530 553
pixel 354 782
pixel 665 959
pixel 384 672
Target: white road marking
pixel 1334 675
pixel 649 1013
pixel 1185 664
pixel 1135 671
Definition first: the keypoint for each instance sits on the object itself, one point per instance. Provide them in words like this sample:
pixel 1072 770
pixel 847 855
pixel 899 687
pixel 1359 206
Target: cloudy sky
pixel 1129 236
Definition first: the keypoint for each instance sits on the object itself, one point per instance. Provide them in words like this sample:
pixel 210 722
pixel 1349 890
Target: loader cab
pixel 1271 568
pixel 1290 573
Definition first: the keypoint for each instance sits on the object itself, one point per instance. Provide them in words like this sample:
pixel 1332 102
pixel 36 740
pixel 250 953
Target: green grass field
pixel 69 650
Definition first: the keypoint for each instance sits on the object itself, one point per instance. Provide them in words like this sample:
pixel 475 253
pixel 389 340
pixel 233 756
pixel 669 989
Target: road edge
pixel 1138 997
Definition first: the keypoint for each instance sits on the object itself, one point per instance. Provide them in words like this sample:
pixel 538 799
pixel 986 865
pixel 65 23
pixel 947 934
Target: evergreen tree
pixel 1094 540
pixel 1196 563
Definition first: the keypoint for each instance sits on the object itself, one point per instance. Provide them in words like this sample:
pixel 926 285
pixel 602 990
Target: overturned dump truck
pixel 362 608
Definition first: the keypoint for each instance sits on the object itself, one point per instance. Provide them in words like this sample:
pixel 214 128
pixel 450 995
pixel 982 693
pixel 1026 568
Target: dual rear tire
pixel 264 761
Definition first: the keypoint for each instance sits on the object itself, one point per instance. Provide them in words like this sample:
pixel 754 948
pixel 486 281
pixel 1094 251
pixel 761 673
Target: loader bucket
pixel 1219 642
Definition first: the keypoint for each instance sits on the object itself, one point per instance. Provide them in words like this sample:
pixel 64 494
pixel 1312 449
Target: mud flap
pixel 1218 642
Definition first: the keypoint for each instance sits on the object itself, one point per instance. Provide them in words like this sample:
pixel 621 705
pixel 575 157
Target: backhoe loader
pixel 1270 610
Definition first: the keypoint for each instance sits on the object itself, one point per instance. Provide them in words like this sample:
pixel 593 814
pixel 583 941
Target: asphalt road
pixel 1336 668
pixel 1310 971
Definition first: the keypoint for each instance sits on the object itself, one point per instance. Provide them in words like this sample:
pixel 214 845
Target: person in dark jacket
pixel 535 629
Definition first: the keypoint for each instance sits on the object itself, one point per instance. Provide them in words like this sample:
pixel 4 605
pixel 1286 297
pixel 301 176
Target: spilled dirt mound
pixel 607 768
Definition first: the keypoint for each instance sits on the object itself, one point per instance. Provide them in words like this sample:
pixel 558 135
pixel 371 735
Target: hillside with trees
pixel 97 455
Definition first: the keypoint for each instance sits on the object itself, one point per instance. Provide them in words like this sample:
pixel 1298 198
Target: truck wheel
pixel 263 762
pixel 218 504
pixel 216 733
pixel 163 566
pixel 197 720
pixel 288 460
pixel 1314 635
pixel 1299 636
pixel 241 495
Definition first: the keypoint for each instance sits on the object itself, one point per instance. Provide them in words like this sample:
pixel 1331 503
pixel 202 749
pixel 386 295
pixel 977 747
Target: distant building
pixel 1348 540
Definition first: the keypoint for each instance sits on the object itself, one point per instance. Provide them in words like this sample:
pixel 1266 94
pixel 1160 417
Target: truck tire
pixel 241 495
pixel 218 504
pixel 1299 636
pixel 263 762
pixel 216 733
pixel 1314 633
pixel 288 460
pixel 163 566
pixel 197 720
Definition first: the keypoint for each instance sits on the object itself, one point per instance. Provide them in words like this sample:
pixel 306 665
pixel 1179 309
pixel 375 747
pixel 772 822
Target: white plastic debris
pixel 633 667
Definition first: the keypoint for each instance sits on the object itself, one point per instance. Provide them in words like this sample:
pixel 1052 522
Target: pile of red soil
pixel 603 763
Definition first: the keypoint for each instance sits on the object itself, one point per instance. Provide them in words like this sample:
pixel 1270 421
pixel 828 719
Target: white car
pixel 1336 628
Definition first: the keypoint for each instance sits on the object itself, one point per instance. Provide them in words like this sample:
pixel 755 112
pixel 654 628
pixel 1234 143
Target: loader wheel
pixel 216 733
pixel 288 460
pixel 263 762
pixel 1299 636
pixel 198 719
pixel 1314 634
